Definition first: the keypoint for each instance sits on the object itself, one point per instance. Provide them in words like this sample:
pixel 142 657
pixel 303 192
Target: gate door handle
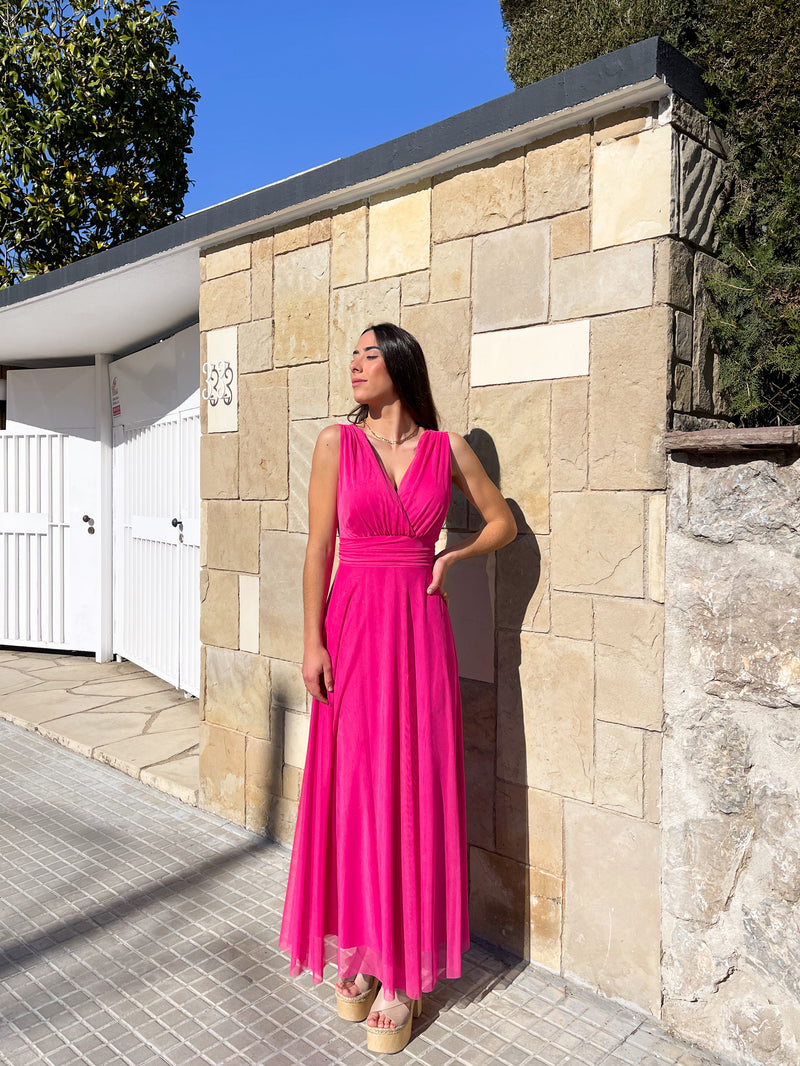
pixel 177 523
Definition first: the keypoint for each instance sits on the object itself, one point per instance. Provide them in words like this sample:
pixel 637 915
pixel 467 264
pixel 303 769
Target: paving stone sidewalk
pixel 137 930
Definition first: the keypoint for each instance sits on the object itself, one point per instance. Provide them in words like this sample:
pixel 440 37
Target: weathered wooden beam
pixel 733 440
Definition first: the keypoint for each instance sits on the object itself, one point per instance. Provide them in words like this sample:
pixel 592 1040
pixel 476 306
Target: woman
pixel 378 875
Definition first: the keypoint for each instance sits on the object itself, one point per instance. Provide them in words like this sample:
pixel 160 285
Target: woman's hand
pixel 318 673
pixel 441 564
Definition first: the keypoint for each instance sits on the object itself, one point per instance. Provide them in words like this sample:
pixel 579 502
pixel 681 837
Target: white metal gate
pixel 157 520
pixel 49 497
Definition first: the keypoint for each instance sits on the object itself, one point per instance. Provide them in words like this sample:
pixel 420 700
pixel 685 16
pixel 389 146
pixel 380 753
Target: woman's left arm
pixel 500 527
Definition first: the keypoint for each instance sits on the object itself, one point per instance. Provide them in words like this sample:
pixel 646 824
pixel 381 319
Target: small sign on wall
pixel 220 376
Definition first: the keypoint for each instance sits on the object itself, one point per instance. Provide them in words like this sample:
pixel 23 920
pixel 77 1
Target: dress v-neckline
pixel 395 488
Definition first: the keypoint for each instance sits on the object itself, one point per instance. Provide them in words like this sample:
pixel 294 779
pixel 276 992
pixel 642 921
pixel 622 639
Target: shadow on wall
pixel 494 733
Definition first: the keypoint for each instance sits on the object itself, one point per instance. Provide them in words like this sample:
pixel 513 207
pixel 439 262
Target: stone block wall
pixel 554 290
pixel 731 756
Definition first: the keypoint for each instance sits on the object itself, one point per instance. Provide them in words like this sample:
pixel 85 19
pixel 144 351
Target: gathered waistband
pixel 386 551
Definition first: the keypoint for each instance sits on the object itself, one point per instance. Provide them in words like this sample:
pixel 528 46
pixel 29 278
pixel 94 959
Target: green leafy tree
pixel 96 119
pixel 750 53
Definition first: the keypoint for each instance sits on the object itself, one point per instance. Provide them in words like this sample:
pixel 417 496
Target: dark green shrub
pixel 750 52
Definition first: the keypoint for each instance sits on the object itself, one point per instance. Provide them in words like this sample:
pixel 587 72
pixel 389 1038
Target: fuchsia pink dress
pixel 378 880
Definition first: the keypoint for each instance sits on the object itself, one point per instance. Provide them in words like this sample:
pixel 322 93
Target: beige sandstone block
pixel 263 443
pixel 557 176
pixel 704 368
pixel 301 305
pixel 263 782
pixel 229 260
pixel 518 447
pixel 281 819
pixel 233 528
pixel 619 768
pixel 451 270
pixel 255 346
pixel 597 542
pixel 570 434
pixel 533 353
pixel 499 904
pixel 349 247
pixel 597 283
pixel 612 934
pixel 523 584
pixel 684 337
pixel 623 123
pixel 443 330
pixel 635 188
pixel 657 547
pixel 353 310
pixel 237 691
pixel 203 532
pixel 702 192
pixel 479 715
pixel 572 615
pixel 682 388
pixel 483 197
pixel 261 277
pixel 546 894
pixel 291 238
pixel 570 234
pixel 415 288
pixel 275 514
pixel 470 587
pixel 308 391
pixel 399 231
pixel 219 466
pixel 510 277
pixel 219 608
pixel 288 688
pixel 302 438
pixel 546 831
pixel 547 708
pixel 629 659
pixel 295 740
pixel 220 371
pixel 292 782
pixel 225 301
pixel 674 272
pixel 248 613
pixel 282 595
pixel 319 229
pixel 652 777
pixel 530 826
pixel 222 772
pixel 628 400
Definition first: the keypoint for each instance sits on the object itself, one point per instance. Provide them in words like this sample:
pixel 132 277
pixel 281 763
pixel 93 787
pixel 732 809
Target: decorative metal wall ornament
pixel 219 382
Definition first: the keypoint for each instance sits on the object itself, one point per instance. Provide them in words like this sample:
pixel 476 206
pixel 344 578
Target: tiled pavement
pixel 115 712
pixel 135 929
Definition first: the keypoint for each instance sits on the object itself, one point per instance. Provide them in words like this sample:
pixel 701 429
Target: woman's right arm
pixel 317 673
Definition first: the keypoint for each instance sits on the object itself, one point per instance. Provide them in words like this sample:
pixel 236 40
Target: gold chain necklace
pixel 405 437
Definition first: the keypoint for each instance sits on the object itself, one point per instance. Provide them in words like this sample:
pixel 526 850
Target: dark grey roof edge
pixel 627 66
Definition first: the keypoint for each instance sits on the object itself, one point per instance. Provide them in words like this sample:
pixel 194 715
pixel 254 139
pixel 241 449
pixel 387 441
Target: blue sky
pixel 288 86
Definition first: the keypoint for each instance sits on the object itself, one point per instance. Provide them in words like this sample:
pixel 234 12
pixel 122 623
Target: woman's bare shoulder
pixel 458 446
pixel 330 435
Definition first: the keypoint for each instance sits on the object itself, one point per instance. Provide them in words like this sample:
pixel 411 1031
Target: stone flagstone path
pixel 114 712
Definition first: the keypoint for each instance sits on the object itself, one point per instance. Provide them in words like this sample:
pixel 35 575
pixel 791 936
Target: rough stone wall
pixel 553 290
pixel 731 802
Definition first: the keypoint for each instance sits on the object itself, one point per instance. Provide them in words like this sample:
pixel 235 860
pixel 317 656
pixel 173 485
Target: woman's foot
pixel 354 996
pixel 389 1023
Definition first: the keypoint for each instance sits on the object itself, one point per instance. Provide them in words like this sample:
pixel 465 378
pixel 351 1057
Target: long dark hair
pixel 405 363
